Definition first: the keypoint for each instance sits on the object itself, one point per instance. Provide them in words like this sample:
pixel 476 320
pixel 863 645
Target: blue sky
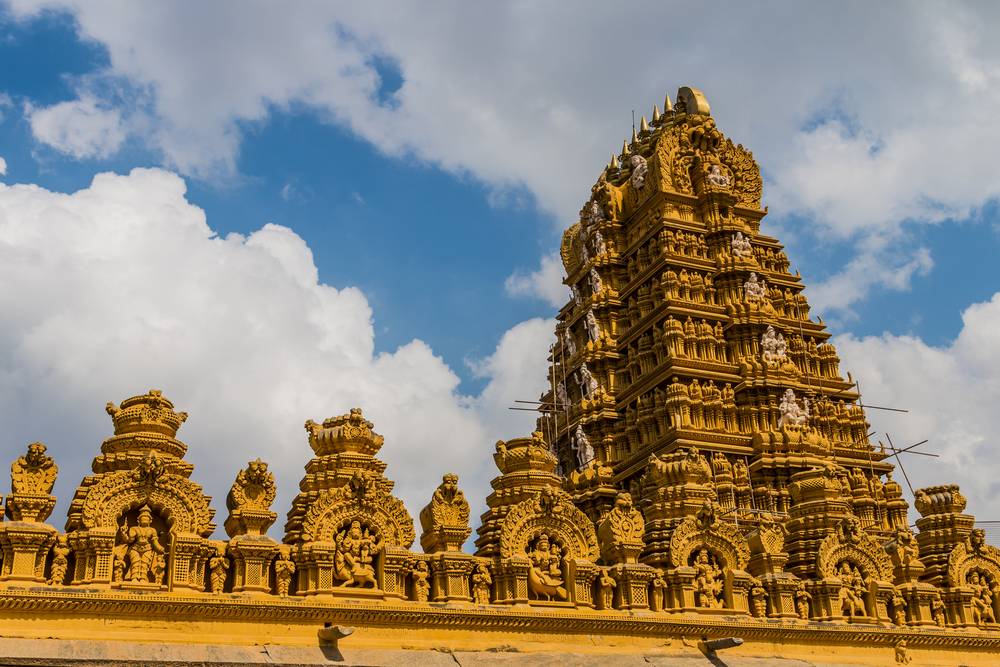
pixel 431 160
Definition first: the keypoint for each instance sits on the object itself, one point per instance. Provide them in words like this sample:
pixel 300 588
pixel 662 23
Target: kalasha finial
pixel 643 126
pixel 625 150
pixel 667 106
pixel 656 114
pixel 614 162
pixel 634 137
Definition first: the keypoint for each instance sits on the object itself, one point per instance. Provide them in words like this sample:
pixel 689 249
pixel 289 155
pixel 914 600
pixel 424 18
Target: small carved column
pixel 445 524
pixel 249 502
pixel 919 597
pixel 25 540
pixel 620 535
pixel 511 576
pixel 767 561
pixel 394 564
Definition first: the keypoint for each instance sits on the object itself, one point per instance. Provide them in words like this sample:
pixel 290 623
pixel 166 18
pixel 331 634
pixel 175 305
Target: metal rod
pixel 899 461
pixel 907 449
pixel 879 407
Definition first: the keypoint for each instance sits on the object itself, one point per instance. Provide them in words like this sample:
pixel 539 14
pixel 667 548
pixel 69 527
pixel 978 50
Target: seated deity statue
pixel 982 599
pixel 852 590
pixel 143 553
pixel 716 177
pixel 792 414
pixel 545 578
pixel 741 246
pixel 773 347
pixel 708 583
pixel 356 549
pixel 754 289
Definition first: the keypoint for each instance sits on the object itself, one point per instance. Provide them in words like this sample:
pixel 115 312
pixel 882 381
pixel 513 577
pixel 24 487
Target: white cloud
pixel 545 283
pixel 857 139
pixel 951 393
pixel 82 128
pixel 3 167
pixel 124 286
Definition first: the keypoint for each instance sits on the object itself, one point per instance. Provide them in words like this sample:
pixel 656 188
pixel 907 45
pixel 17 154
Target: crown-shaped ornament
pixel 346 433
pixel 149 412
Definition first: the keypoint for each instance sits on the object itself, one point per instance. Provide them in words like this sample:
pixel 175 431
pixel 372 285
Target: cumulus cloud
pixel 951 393
pixel 123 286
pixel 3 167
pixel 545 283
pixel 888 133
pixel 82 128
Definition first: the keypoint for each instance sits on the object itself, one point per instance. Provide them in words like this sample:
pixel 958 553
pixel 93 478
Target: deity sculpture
pixel 568 343
pixel 708 584
pixel 60 561
pixel 620 531
pixel 852 590
pixel 758 599
pixel 356 549
pixel 898 609
pixel 639 170
pixel 581 445
pixel 659 589
pixel 606 585
pixel 937 611
pixel 741 246
pixel 582 253
pixel 562 396
pixel 588 385
pixel 792 414
pixel 421 581
pixel 482 582
pixel 545 578
pixel 600 247
pixel 576 295
pixel 593 329
pixel 802 600
pixel 982 599
pixel 284 568
pixel 716 177
pixel 773 347
pixel 218 565
pixel 754 289
pixel 596 284
pixel 596 212
pixel 143 554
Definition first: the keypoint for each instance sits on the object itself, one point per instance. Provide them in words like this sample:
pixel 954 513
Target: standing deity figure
pixel 659 586
pixel 60 561
pixel 937 610
pixel 741 246
pixel 716 177
pixel 576 295
pixel 982 599
pixel 596 284
pixel 758 599
pixel 792 414
pixel 562 396
pixel 284 568
pixel 606 583
pixel 582 447
pixel 754 289
pixel 898 609
pixel 802 600
pixel 421 581
pixel 639 170
pixel 545 577
pixel 218 565
pixel 582 253
pixel 356 549
pixel 773 346
pixel 568 343
pixel 852 590
pixel 596 213
pixel 588 385
pixel 708 586
pixel 593 329
pixel 482 581
pixel 143 552
pixel 600 247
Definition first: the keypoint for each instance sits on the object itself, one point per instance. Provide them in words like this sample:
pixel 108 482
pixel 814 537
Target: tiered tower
pixel 686 329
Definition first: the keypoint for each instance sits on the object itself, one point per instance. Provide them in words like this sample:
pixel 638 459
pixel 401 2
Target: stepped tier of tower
pixel 700 465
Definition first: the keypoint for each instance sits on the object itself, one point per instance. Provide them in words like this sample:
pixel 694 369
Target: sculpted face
pixel 355 529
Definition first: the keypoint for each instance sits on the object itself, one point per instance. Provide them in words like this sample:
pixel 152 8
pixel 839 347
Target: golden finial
pixel 614 161
pixel 656 114
pixel 667 106
pixel 643 126
pixel 625 147
pixel 634 137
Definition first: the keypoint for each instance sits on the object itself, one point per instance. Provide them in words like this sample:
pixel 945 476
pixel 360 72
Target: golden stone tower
pixel 701 481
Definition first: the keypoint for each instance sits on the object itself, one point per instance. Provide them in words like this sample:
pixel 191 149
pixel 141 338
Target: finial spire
pixel 656 114
pixel 614 161
pixel 634 137
pixel 643 126
pixel 667 106
pixel 625 145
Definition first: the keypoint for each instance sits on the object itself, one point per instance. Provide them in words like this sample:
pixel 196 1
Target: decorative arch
pixel 181 502
pixel 548 512
pixel 851 543
pixel 380 510
pixel 973 554
pixel 722 539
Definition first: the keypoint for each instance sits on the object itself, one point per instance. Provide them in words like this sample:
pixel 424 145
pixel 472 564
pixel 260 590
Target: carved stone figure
pixel 620 532
pixel 898 609
pixel 758 599
pixel 577 300
pixel 581 445
pixel 708 584
pixel 802 600
pixel 773 347
pixel 562 396
pixel 982 599
pixel 421 581
pixel 284 568
pixel 937 611
pixel 659 588
pixel 445 521
pixel 593 329
pixel 792 414
pixel 144 554
pixel 218 566
pixel 588 385
pixel 545 578
pixel 482 582
pixel 716 177
pixel 596 213
pixel 901 654
pixel 34 473
pixel 754 289
pixel 60 561
pixel 600 247
pixel 852 590
pixel 356 549
pixel 740 246
pixel 596 284
pixel 569 345
pixel 639 170
pixel 606 585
